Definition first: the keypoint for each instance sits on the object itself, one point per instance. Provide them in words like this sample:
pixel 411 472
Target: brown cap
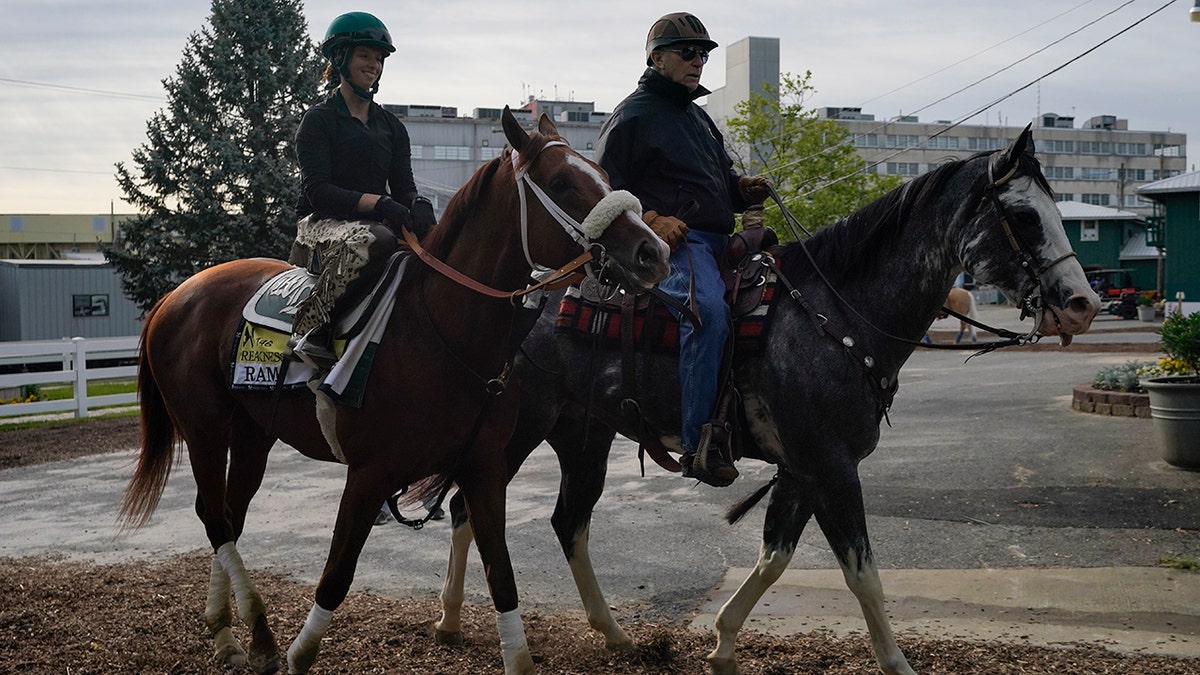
pixel 675 28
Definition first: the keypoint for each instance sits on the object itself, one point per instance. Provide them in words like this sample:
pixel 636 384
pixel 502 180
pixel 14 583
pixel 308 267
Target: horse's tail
pixel 159 442
pixel 740 509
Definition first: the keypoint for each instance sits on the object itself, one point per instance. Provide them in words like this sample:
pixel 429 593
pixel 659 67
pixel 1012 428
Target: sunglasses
pixel 689 53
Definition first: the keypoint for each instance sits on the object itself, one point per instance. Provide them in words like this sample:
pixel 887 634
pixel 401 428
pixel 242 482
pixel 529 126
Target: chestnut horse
pixel 960 300
pixel 811 403
pixel 434 409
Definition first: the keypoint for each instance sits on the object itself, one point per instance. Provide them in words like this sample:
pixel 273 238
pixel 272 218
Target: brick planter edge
pixel 1102 402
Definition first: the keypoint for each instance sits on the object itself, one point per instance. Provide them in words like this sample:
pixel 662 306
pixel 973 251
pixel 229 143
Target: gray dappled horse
pixel 812 405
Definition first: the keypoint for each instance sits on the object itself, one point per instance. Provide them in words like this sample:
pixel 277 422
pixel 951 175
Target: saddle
pixel 644 319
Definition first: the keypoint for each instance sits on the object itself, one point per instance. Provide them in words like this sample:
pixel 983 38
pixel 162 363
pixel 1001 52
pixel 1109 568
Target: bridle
pixel 1030 299
pixel 585 234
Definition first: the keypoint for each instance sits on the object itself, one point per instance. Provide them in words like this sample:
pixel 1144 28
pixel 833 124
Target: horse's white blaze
pixel 587 168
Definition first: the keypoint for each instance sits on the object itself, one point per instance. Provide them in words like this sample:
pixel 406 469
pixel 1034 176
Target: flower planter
pixel 1146 313
pixel 1175 409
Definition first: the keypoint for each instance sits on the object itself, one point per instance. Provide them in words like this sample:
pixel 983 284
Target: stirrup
pixel 708 463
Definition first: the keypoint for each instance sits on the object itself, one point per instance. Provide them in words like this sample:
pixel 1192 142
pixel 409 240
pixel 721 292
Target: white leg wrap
pixel 512 638
pixel 303 651
pixel 249 602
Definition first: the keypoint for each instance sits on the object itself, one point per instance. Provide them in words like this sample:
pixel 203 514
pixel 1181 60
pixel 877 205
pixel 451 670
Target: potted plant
pixel 1145 308
pixel 1174 389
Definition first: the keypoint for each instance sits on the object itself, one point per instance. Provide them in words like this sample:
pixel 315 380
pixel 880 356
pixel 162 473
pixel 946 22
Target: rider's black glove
pixel 423 219
pixel 393 214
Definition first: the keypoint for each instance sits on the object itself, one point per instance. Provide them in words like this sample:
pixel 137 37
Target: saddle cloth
pixel 267 324
pixel 580 316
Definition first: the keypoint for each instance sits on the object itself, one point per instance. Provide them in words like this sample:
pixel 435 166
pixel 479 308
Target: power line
pixel 81 90
pixel 982 51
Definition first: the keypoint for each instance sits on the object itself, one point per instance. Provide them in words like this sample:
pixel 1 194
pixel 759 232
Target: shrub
pixel 1181 340
pixel 1122 377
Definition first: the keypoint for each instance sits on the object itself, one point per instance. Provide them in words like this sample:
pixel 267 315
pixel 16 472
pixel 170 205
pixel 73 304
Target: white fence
pixel 73 356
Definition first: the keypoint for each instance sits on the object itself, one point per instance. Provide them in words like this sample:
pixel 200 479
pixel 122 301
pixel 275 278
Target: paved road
pixel 995 511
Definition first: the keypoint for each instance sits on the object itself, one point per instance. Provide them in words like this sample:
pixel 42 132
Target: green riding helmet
pixel 349 31
pixel 353 29
pixel 676 28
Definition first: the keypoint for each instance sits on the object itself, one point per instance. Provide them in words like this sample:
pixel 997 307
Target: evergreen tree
pixel 811 161
pixel 217 178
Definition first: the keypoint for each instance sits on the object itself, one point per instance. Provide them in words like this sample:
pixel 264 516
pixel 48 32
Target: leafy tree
pixel 811 161
pixel 217 178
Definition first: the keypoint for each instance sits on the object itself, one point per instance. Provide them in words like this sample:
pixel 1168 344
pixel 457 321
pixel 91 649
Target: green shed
pixel 1176 224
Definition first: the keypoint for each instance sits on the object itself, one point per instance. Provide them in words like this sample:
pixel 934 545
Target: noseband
pixel 1031 293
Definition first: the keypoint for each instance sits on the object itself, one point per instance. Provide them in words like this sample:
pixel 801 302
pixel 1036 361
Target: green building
pixel 1176 226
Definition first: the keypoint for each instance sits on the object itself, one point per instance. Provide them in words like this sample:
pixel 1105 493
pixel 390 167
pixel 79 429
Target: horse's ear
pixel 1004 161
pixel 546 126
pixel 516 136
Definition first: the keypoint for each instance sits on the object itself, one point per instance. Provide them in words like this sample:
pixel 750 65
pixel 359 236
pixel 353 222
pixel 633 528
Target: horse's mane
pixel 861 240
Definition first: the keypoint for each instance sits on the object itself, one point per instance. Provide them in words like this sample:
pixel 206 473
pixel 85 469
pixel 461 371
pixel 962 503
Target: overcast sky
pixel 59 138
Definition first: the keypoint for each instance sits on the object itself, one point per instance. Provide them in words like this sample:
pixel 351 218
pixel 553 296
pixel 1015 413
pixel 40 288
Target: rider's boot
pixel 709 463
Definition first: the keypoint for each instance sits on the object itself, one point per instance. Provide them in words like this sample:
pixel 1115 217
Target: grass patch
pixel 94 388
pixel 17 426
pixel 1179 562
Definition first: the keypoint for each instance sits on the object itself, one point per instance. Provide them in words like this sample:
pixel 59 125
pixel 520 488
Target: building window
pixel 486 153
pixel 1051 145
pixel 1137 202
pixel 89 305
pixel 1089 230
pixel 981 144
pixel 903 168
pixel 1095 199
pixel 1095 147
pixel 1132 149
pixel 1059 172
pixel 1064 197
pixel 452 152
pixel 902 140
pixel 1095 173
pixel 866 140
pixel 942 143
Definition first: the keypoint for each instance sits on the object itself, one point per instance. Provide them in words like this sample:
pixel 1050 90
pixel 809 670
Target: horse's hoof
pixel 721 666
pixel 620 646
pixel 448 638
pixel 230 656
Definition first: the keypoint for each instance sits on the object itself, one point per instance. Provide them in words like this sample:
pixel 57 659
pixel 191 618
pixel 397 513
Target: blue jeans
pixel 700 349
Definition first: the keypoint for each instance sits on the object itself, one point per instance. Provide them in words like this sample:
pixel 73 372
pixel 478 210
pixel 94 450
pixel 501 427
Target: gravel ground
pixel 70 617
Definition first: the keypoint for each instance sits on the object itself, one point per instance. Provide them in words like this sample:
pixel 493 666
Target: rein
pixel 1029 305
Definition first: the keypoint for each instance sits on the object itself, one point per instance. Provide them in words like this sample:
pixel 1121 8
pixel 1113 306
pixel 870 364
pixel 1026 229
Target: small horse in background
pixel 962 301
pixel 812 401
pixel 434 410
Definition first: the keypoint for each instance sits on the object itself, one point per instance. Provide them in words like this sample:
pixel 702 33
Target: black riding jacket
pixel 666 150
pixel 341 158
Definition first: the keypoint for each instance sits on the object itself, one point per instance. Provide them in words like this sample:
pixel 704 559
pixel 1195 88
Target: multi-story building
pixel 1101 163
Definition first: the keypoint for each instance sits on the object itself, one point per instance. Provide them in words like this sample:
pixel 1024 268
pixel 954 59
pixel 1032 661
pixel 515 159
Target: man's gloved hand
pixel 754 189
pixel 393 213
pixel 423 219
pixel 669 228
